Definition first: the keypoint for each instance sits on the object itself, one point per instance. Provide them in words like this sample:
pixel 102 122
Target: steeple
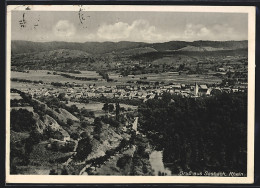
pixel 196 89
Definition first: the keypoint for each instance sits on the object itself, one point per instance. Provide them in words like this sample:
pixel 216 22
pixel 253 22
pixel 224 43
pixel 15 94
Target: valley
pixel 117 108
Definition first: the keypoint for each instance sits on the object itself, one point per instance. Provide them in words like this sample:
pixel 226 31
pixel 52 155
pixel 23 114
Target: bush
pixel 84 149
pixel 123 161
pixel 84 124
pixel 68 147
pixel 70 122
pixel 84 135
pixel 74 136
pixel 57 135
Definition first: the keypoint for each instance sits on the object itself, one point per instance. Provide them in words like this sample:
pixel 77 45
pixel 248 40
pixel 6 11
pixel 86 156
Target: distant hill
pixel 18 47
pixel 199 49
pixel 59 53
pixel 134 51
pixel 105 55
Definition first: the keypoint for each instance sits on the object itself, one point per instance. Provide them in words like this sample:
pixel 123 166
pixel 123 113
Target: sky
pixel 74 26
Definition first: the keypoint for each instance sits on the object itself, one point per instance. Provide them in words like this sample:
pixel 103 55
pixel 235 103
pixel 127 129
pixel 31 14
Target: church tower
pixel 196 89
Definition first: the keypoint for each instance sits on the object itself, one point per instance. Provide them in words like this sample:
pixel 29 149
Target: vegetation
pixel 198 134
pixel 123 161
pixel 78 78
pixel 69 122
pixel 97 129
pixel 84 149
pixel 25 80
pixel 108 107
pixel 22 120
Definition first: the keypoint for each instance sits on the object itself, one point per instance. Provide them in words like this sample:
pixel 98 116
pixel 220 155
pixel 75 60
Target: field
pixel 88 74
pixel 96 107
pixel 37 75
pixel 29 108
pixel 15 96
pixel 166 77
pixel 169 77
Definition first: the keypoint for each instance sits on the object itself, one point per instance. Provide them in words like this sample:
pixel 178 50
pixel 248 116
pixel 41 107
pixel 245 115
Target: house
pixel 176 86
pixel 70 90
pixel 46 94
pixel 209 91
pixel 144 95
pixel 234 89
pixel 221 69
pixel 202 90
pixel 203 87
pixel 90 94
pixel 152 96
pixel 226 89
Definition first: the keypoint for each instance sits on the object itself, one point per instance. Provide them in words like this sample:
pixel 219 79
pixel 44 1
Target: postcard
pixel 130 94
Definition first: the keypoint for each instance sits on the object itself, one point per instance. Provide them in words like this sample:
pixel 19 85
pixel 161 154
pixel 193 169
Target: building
pixel 196 89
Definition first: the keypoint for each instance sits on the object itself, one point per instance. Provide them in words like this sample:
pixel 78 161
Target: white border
pixel 140 179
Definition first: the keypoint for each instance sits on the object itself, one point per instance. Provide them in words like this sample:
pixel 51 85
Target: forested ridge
pixel 198 134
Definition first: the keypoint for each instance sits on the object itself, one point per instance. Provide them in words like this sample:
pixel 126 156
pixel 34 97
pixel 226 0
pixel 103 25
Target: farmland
pixel 166 77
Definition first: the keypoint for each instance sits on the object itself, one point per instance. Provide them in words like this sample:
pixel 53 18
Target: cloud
pixel 213 32
pixel 142 31
pixel 139 30
pixel 64 28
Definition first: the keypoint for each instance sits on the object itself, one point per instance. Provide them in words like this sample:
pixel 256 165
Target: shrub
pixel 123 161
pixel 70 122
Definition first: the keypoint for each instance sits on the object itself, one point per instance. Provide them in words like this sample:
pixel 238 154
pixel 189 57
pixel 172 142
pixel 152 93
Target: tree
pixel 57 135
pixel 123 161
pixel 84 149
pixel 117 111
pixel 62 97
pixel 84 124
pixel 74 108
pixel 97 121
pixel 64 171
pixel 111 107
pixel 84 134
pixel 35 136
pixel 181 67
pixel 105 107
pixel 91 113
pixel 69 122
pixel 74 136
pixel 22 120
pixel 53 172
pixel 98 127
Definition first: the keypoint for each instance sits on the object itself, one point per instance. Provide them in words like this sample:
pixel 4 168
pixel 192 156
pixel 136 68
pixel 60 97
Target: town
pixel 134 91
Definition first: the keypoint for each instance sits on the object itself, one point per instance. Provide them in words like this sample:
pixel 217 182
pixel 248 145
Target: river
pixel 156 160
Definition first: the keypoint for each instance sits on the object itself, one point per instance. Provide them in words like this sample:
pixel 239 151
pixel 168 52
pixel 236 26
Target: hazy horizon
pixel 149 27
pixel 132 41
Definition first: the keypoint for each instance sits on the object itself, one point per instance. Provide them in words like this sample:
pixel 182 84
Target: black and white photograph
pixel 145 94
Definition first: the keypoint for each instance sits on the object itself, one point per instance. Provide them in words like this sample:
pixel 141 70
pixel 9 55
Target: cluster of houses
pixel 131 91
